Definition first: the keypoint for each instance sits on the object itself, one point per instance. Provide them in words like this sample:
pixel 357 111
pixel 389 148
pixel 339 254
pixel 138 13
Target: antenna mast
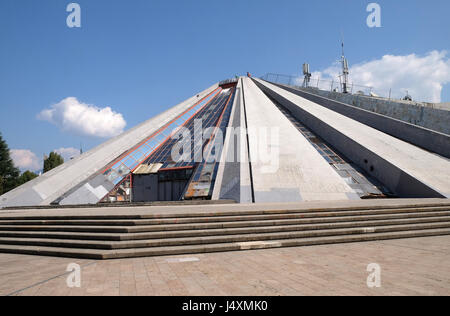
pixel 307 74
pixel 345 71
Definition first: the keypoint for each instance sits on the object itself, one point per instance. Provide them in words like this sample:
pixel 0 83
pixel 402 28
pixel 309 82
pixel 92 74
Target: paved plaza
pixel 408 267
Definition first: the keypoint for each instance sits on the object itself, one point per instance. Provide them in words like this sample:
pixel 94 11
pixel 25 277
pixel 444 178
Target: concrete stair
pixel 124 236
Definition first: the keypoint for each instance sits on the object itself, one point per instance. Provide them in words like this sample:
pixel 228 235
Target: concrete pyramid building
pixel 251 140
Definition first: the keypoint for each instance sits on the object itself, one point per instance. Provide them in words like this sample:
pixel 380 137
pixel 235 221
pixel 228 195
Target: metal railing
pixel 336 86
pixel 318 83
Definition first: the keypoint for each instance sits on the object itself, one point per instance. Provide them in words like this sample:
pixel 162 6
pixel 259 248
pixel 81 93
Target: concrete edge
pixel 419 136
pixel 397 180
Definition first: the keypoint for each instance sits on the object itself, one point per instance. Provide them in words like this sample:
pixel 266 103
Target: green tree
pixel 9 174
pixel 52 161
pixel 26 176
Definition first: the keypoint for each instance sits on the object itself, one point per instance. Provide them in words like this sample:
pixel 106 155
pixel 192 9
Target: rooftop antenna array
pixel 307 74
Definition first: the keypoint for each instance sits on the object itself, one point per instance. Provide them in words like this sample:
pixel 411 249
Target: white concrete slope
pixel 428 168
pixel 233 180
pixel 295 171
pixel 48 187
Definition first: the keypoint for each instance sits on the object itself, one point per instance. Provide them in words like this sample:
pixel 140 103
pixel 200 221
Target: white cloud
pixel 73 116
pixel 25 159
pixel 423 76
pixel 68 153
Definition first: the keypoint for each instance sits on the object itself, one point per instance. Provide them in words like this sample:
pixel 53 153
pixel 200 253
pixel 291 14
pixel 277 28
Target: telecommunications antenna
pixel 307 74
pixel 345 71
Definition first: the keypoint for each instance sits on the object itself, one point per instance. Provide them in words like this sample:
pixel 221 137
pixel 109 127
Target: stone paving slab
pixel 409 267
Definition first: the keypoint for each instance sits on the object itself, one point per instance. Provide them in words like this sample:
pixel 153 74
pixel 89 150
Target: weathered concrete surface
pixel 406 169
pixel 51 185
pixel 442 106
pixel 437 119
pixel 247 190
pixel 233 176
pixel 416 135
pixel 295 171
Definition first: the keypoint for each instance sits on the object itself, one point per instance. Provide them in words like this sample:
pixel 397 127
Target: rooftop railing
pixel 336 85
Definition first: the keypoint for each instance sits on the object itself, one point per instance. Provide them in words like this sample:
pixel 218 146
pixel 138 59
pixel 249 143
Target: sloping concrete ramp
pixel 419 136
pixel 405 169
pixel 52 185
pixel 285 166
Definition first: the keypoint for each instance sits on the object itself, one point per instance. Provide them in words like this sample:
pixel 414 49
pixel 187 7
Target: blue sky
pixel 141 57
